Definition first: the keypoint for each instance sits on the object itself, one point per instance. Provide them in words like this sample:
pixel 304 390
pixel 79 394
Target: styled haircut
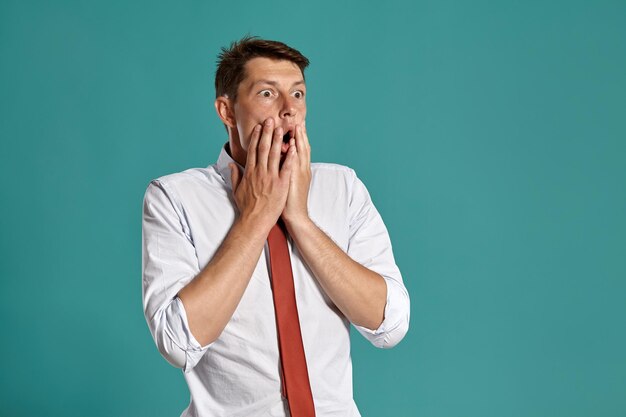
pixel 231 61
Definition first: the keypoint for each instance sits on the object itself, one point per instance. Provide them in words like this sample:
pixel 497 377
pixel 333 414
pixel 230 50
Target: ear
pixel 223 107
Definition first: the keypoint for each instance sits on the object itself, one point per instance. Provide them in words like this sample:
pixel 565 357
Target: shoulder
pixel 334 171
pixel 332 178
pixel 188 181
pixel 338 179
pixel 188 176
pixel 330 167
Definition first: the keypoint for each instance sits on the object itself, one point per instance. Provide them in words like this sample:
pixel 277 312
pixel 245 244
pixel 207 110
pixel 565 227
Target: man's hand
pixel 296 209
pixel 210 299
pixel 261 192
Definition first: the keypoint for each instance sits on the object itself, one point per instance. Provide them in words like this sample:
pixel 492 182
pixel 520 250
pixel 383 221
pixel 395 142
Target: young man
pixel 254 267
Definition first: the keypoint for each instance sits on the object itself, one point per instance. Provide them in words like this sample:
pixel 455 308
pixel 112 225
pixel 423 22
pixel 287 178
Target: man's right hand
pixel 261 192
pixel 210 299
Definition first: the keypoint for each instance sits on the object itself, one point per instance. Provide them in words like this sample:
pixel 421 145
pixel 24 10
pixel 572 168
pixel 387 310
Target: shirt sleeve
pixel 370 245
pixel 169 262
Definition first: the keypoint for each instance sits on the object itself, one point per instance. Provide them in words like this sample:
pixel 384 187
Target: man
pixel 216 284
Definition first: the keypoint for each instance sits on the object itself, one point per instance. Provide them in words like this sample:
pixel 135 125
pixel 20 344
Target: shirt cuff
pixel 396 318
pixel 178 330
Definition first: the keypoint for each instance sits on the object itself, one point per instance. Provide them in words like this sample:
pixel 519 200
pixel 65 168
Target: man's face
pixel 271 89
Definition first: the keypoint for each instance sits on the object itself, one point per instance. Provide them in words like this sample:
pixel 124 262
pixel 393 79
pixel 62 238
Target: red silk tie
pixel 295 376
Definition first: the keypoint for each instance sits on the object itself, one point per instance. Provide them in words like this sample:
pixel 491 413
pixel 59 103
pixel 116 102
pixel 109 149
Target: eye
pixel 265 93
pixel 298 94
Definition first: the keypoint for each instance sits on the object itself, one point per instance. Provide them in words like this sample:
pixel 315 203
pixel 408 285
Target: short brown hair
pixel 231 61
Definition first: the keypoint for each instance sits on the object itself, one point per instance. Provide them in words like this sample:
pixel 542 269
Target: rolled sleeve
pixel 174 339
pixel 169 262
pixel 370 246
pixel 396 321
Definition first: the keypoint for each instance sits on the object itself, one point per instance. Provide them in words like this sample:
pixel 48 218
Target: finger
pixel 274 157
pixel 254 140
pixel 235 176
pixel 265 143
pixel 305 136
pixel 290 161
pixel 302 146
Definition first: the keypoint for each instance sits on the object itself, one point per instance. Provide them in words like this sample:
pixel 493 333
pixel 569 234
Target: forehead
pixel 279 71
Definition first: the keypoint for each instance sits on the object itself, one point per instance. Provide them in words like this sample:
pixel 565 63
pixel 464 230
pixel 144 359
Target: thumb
pixel 235 176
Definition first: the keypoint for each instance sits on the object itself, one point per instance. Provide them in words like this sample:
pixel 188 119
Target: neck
pixel 235 150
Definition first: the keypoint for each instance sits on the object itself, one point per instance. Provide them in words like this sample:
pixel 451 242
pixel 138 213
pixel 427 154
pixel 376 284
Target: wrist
pixel 256 225
pixel 298 224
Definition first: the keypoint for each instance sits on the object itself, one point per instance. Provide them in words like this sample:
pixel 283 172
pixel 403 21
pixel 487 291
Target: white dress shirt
pixel 186 216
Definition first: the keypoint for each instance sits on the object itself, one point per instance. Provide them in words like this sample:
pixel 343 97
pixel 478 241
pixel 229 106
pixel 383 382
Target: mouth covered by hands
pixel 277 175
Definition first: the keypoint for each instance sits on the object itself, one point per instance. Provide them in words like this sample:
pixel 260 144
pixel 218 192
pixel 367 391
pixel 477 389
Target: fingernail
pixel 269 121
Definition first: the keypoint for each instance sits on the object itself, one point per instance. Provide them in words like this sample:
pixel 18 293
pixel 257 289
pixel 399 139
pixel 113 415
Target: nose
pixel 288 109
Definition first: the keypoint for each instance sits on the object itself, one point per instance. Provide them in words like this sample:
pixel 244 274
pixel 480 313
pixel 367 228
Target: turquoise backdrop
pixel 492 138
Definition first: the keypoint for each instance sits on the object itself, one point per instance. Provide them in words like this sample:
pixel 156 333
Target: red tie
pixel 295 376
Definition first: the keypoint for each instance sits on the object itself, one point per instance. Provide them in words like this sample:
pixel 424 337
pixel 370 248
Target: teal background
pixel 491 136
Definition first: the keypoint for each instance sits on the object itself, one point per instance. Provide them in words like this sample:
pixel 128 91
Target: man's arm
pixel 358 292
pixel 211 298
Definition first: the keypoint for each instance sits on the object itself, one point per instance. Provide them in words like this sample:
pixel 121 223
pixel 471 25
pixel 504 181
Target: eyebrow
pixel 274 83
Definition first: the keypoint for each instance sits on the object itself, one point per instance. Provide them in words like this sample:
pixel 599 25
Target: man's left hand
pixel 296 209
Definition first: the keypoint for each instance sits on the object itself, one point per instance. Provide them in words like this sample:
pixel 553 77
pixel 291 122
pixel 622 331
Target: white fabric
pixel 185 218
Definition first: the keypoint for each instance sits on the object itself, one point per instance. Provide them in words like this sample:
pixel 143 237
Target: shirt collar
pixel 222 165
